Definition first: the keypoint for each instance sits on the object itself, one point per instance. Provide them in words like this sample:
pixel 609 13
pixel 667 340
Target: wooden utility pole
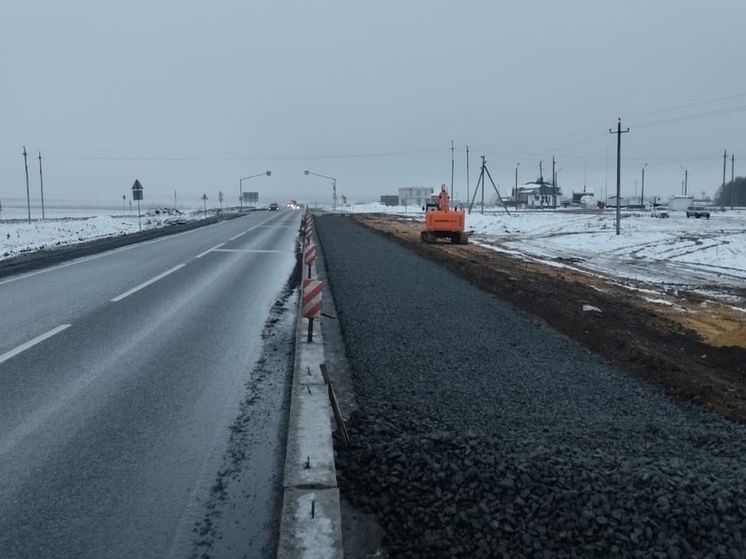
pixel 542 189
pixel 28 192
pixel 554 185
pixel 41 181
pixel 618 133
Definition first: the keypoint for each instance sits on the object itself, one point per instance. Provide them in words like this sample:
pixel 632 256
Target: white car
pixel 659 212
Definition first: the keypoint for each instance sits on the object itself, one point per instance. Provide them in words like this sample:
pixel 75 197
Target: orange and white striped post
pixel 309 256
pixel 311 302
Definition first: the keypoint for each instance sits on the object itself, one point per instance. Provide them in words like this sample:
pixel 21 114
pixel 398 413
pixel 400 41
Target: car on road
pixel 274 207
pixel 697 212
pixel 659 212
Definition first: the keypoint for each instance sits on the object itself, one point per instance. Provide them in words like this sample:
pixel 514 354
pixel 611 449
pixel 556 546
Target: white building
pixel 611 202
pixel 415 195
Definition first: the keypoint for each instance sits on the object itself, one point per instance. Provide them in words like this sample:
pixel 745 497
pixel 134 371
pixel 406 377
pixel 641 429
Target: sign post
pixel 137 195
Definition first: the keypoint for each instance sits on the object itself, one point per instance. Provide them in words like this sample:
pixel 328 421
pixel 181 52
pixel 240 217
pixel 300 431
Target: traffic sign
pixel 137 190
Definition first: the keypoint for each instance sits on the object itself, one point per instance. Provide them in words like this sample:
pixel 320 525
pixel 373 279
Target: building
pixel 389 200
pixel 539 195
pixel 611 202
pixel 679 202
pixel 578 195
pixel 415 195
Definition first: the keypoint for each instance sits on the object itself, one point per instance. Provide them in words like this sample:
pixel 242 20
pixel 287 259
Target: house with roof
pixel 538 194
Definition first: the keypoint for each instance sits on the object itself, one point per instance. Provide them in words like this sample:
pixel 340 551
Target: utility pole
pixel 618 133
pixel 28 192
pixel 722 196
pixel 554 185
pixel 452 168
pixel 642 191
pixel 41 181
pixel 585 176
pixel 515 196
pixel 467 173
pixel 541 184
pixel 732 180
pixel 484 171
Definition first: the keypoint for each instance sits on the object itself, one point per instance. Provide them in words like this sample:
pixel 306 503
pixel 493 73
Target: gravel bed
pixel 482 433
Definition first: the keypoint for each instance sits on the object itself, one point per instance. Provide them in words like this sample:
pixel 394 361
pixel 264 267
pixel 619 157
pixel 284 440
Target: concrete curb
pixel 311 523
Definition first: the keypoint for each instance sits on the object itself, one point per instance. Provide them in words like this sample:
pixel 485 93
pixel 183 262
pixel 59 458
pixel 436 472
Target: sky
pixel 189 97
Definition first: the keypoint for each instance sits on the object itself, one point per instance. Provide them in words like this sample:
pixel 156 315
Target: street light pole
pixel 515 196
pixel 240 186
pixel 642 190
pixel 334 187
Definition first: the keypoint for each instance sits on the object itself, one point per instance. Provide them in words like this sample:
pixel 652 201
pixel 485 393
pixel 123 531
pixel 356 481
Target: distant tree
pixel 734 193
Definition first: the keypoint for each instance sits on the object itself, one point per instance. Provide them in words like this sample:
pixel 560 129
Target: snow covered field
pixel 671 250
pixel 19 237
pixel 704 255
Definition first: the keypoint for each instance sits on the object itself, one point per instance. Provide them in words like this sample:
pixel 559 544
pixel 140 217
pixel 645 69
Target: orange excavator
pixel 442 222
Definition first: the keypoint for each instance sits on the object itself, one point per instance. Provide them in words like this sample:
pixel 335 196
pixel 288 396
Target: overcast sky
pixel 194 95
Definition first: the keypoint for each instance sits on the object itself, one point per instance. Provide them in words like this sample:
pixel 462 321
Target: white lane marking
pixel 38 339
pixel 209 250
pixel 251 250
pixel 243 233
pixel 147 283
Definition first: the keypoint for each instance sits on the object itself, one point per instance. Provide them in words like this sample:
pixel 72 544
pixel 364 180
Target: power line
pixel 228 158
pixel 738 95
pixel 684 118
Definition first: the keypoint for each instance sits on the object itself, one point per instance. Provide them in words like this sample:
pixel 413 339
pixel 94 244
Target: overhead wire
pixel 697 104
pixel 685 118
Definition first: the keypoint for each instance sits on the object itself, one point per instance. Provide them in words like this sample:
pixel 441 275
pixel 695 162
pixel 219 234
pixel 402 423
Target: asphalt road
pixel 121 375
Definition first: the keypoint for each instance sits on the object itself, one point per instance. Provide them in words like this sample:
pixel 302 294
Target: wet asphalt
pixel 151 425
